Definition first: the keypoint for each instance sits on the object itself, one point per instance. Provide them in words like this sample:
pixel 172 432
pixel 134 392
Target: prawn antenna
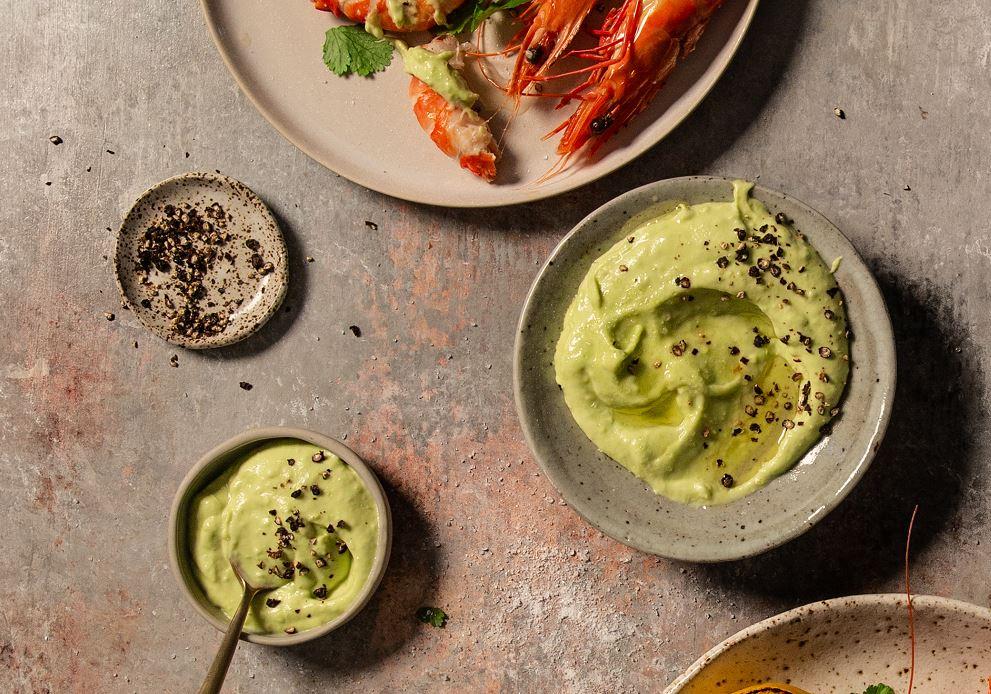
pixel 911 609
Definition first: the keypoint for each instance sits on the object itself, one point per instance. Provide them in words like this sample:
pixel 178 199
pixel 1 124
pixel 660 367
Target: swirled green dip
pixel 706 351
pixel 308 528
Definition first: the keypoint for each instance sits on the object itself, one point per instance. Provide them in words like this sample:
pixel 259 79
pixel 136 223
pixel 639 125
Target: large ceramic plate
pixel 847 644
pixel 364 129
pixel 621 505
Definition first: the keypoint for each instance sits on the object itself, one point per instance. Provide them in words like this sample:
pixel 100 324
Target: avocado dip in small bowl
pixel 301 512
pixel 686 373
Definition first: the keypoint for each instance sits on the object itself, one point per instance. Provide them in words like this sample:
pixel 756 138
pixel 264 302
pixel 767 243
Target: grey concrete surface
pixel 97 428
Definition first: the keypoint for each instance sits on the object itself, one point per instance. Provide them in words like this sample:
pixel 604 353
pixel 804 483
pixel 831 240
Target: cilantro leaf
pixel 879 689
pixel 469 16
pixel 351 49
pixel 432 615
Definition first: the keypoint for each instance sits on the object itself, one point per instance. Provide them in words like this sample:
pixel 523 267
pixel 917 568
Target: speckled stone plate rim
pixel 825 606
pixel 278 282
pixel 338 163
pixel 211 464
pixel 886 376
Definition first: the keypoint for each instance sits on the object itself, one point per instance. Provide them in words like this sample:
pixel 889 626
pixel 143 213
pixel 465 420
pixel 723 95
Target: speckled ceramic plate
pixel 847 644
pixel 211 466
pixel 618 503
pixel 244 296
pixel 364 129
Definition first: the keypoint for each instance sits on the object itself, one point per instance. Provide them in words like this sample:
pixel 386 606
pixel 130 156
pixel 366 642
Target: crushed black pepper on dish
pixel 181 253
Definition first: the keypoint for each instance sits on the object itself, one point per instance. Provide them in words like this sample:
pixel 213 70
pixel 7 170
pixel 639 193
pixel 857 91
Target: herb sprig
pixel 470 16
pixel 433 616
pixel 351 49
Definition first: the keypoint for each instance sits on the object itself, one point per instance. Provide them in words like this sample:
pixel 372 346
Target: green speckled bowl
pixel 618 503
pixel 210 466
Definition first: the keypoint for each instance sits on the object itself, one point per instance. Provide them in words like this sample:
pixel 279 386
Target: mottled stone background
pixel 97 432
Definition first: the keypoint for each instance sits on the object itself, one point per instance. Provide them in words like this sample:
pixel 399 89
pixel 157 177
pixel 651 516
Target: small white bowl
pixel 210 466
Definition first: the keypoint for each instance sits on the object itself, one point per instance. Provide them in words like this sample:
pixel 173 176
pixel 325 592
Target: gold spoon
pixel 218 670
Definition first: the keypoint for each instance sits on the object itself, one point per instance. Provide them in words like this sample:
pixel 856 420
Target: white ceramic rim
pixel 202 468
pixel 934 601
pixel 340 166
pixel 281 274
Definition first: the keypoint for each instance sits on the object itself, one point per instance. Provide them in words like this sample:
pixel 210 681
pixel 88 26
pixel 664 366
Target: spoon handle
pixel 218 671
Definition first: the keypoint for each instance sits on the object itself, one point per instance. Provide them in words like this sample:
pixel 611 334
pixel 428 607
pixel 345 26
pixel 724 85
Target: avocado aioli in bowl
pixel 296 517
pixel 707 350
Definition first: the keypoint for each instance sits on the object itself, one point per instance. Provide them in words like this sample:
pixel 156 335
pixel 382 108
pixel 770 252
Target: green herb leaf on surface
pixel 470 16
pixel 432 615
pixel 879 689
pixel 351 49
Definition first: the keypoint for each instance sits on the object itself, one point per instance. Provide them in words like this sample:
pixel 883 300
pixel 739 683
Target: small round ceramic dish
pixel 618 503
pixel 232 293
pixel 847 644
pixel 210 466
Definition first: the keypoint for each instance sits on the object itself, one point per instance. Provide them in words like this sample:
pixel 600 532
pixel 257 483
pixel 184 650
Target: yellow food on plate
pixel 772 688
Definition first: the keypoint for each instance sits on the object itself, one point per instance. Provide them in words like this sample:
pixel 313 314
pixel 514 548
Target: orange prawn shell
pixel 663 32
pixel 420 13
pixel 549 26
pixel 436 116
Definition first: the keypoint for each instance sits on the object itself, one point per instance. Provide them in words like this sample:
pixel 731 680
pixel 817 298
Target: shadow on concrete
pixel 388 621
pixel 925 459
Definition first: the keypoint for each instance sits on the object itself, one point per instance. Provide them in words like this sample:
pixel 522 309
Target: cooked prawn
pixel 549 28
pixel 455 128
pixel 392 15
pixel 640 44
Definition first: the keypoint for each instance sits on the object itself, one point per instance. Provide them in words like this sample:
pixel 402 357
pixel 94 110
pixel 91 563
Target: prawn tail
pixel 482 164
pixel 458 132
pixel 329 6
